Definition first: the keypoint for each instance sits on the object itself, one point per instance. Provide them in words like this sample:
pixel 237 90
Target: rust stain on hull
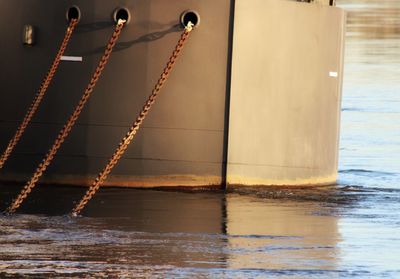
pixel 254 181
pixel 164 181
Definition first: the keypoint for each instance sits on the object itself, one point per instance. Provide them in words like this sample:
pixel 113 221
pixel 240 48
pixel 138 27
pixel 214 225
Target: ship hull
pixel 215 122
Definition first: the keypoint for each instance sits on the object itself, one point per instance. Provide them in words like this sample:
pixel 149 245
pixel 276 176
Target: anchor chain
pixel 70 123
pixel 123 145
pixel 39 96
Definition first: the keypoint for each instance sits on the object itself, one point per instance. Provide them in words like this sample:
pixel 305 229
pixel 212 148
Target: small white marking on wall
pixel 333 74
pixel 72 58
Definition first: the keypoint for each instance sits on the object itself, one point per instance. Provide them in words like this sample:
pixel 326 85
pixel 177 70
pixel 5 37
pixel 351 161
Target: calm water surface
pixel 351 230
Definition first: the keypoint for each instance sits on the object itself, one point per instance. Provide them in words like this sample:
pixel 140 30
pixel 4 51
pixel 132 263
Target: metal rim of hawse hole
pixel 122 13
pixel 73 12
pixel 190 16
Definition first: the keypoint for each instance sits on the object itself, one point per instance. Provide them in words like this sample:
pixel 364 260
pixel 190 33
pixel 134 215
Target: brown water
pixel 350 230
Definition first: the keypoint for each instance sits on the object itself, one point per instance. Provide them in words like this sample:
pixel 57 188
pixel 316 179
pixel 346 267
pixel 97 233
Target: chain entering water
pixel 70 123
pixel 136 125
pixel 39 96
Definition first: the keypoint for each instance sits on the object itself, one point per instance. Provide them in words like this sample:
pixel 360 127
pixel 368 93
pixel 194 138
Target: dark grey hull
pixel 184 140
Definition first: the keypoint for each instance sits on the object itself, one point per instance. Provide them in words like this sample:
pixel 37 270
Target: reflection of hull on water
pixel 291 235
pixel 178 230
pixel 254 99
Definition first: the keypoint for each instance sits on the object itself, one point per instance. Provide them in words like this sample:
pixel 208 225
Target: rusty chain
pixel 39 96
pixel 123 145
pixel 71 121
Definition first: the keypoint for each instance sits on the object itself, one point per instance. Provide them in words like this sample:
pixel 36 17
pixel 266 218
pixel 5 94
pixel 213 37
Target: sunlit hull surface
pixel 254 98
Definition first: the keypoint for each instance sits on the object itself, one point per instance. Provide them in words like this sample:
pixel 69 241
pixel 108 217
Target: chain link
pixel 123 145
pixel 39 96
pixel 70 123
